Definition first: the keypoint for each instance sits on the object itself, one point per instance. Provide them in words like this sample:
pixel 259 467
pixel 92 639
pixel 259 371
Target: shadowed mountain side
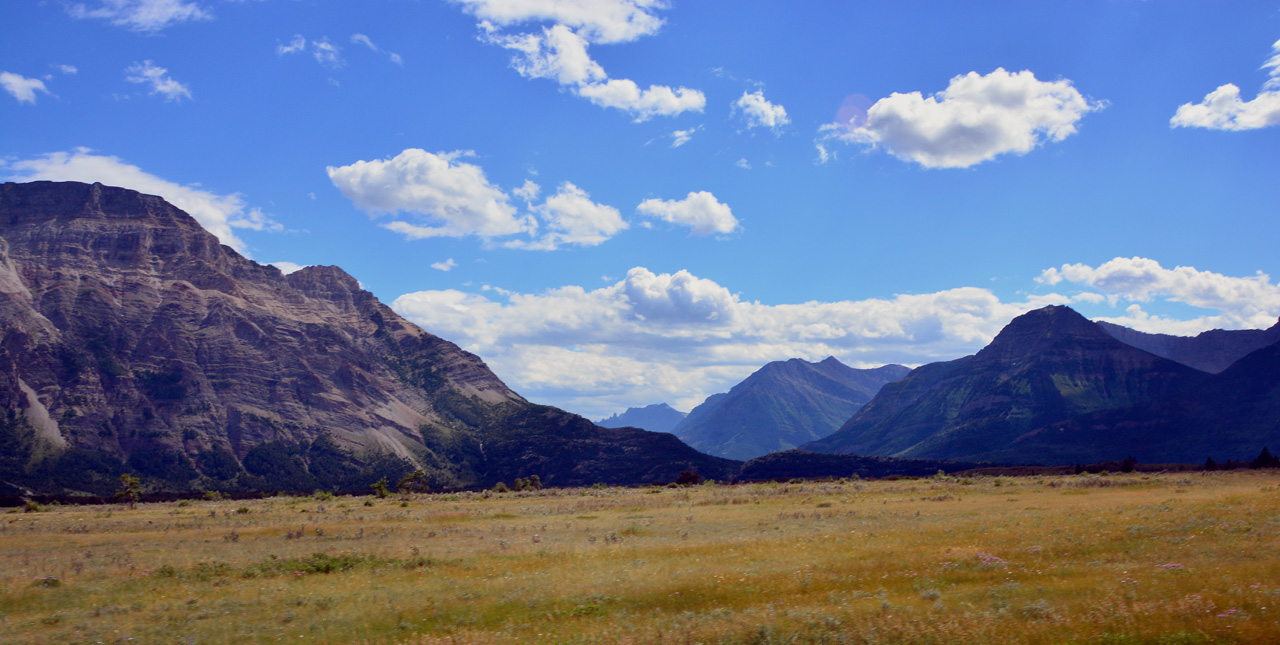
pixel 782 405
pixel 658 417
pixel 1046 366
pixel 1211 351
pixel 133 341
pixel 813 465
pixel 1231 415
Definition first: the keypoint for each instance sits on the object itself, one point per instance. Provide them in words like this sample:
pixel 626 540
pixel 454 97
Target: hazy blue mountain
pixel 658 417
pixel 1211 351
pixel 1055 388
pixel 782 405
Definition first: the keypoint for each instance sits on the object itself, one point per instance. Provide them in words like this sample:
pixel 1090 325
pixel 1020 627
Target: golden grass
pixel 1084 559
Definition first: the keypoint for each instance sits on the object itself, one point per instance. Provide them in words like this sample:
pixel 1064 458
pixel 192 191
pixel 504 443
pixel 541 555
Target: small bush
pixel 32 506
pixel 322 496
pixel 213 495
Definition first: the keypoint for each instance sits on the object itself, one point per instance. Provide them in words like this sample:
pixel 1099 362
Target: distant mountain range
pixel 781 406
pixel 1055 388
pixel 658 417
pixel 1211 351
pixel 132 341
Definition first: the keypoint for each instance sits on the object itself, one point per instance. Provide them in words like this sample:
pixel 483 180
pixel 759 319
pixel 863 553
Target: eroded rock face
pixel 139 334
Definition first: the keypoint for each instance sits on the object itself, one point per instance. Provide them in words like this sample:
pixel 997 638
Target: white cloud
pixel 975 119
pixel 218 214
pixel 142 15
pixel 361 39
pixel 66 69
pixel 148 73
pixel 759 112
pixel 288 267
pixel 700 211
pixel 453 196
pixel 1222 109
pixel 681 137
pixel 600 21
pixel 445 266
pixel 658 100
pixel 679 338
pixel 327 54
pixel 743 164
pixel 297 44
pixel 570 217
pixel 1242 302
pixel 22 88
pixel 527 191
pixel 559 52
pixel 256 220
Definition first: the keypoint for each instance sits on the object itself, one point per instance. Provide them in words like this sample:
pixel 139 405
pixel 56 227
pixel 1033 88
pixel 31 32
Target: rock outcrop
pixel 133 340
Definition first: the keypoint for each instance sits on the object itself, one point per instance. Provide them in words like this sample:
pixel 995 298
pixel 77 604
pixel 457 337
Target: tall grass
pixel 1141 558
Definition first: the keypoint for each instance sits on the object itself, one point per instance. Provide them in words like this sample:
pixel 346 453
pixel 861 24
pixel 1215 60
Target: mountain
pixel 1211 351
pixel 658 417
pixel 132 341
pixel 1045 367
pixel 782 405
pixel 1229 415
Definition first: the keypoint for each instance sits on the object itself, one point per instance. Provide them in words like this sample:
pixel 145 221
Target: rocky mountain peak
pixel 1040 330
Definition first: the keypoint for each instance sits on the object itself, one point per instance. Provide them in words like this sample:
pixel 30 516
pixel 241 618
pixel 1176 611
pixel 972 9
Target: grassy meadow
pixel 1125 558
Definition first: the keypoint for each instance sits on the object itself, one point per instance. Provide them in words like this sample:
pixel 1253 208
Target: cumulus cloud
pixel 976 119
pixel 445 266
pixel 448 197
pixel 218 214
pixel 22 88
pixel 1223 109
pixel 147 16
pixel 452 196
pixel 1249 302
pixel 528 191
pixel 758 112
pixel 66 69
pixel 700 211
pixel 678 338
pixel 600 21
pixel 559 52
pixel 570 217
pixel 158 79
pixel 681 137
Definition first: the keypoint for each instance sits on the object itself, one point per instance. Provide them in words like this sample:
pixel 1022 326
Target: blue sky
pixel 623 202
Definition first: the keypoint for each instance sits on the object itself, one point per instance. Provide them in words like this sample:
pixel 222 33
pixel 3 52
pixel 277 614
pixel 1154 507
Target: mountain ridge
pixel 658 417
pixel 780 406
pixel 1054 387
pixel 145 345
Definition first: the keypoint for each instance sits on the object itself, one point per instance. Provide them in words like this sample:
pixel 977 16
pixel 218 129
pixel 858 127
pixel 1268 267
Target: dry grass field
pixel 1137 558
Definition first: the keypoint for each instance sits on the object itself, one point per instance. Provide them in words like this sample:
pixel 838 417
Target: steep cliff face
pixel 130 333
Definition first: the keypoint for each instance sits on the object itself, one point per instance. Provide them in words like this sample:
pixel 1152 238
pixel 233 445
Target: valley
pixel 1091 558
